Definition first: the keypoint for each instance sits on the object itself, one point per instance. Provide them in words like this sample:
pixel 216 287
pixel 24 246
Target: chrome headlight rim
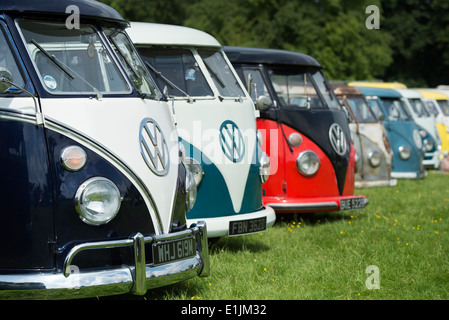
pixel 305 156
pixel 264 167
pixel 191 190
pixel 405 152
pixel 375 158
pixel 194 167
pixel 86 214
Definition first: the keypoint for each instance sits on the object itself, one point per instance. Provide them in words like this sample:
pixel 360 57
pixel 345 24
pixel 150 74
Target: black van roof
pixel 90 8
pixel 269 56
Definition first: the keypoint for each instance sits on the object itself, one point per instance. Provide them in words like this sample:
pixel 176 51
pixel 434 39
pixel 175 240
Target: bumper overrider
pixel 134 279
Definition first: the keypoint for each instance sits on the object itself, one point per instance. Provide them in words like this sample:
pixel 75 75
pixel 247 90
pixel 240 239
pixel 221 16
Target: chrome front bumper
pixel 135 279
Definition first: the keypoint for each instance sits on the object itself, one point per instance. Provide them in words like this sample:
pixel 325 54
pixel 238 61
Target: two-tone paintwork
pixel 402 132
pixel 43 237
pixel 231 188
pixel 374 155
pixel 287 190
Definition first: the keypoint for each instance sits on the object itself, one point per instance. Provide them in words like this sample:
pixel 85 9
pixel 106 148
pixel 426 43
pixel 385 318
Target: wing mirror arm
pixel 6 81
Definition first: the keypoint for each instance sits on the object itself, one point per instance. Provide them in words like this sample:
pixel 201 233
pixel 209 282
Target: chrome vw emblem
pixel 153 147
pixel 231 140
pixel 338 139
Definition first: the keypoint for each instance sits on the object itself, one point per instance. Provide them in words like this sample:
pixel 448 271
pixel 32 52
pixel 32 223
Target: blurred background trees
pixel 411 46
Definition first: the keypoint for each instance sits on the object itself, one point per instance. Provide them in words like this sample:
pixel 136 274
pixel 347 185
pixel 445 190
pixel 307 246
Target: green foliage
pixel 332 31
pixel 411 46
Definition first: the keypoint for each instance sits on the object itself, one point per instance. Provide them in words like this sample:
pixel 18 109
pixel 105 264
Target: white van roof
pixel 165 34
pixel 409 93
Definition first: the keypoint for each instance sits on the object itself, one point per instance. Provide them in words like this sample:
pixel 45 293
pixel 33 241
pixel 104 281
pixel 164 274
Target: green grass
pixel 403 231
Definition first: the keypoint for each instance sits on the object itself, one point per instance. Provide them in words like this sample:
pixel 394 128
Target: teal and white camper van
pixel 216 121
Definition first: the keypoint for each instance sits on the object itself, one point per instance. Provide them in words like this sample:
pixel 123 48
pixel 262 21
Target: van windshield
pixel 418 108
pixel 361 110
pixel 375 106
pixel 301 88
pixel 395 109
pixel 72 61
pixel 177 70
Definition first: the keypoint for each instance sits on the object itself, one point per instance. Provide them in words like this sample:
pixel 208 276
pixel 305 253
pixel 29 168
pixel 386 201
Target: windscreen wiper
pixel 170 83
pixel 67 70
pixel 58 63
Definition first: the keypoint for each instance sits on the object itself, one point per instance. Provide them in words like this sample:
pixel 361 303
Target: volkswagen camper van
pixel 418 113
pixel 426 121
pixel 402 131
pixel 216 124
pixel 437 104
pixel 374 156
pixel 93 192
pixel 305 131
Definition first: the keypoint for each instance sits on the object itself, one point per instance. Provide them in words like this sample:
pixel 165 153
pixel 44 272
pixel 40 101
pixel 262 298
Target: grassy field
pixel 402 235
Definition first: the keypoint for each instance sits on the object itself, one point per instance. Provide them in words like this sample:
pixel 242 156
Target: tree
pixel 159 11
pixel 421 46
pixel 332 31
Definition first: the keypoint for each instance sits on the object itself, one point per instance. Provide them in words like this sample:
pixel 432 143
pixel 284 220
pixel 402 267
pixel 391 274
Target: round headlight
pixel 97 201
pixel 190 190
pixel 417 138
pixel 404 152
pixel 195 169
pixel 265 167
pixel 295 139
pixel 308 163
pixel 73 158
pixel 375 157
pixel 428 144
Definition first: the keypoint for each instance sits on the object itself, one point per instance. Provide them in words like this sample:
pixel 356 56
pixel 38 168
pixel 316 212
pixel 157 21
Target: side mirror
pixel 5 80
pixel 381 117
pixel 263 102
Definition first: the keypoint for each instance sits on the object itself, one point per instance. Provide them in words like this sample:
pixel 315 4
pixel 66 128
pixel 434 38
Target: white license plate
pixel 169 251
pixel 352 203
pixel 247 226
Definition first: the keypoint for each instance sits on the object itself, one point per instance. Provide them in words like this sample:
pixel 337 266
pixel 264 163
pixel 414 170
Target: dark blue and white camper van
pixel 93 192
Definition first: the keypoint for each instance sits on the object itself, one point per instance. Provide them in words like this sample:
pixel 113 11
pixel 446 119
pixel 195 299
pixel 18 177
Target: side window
pixel 8 61
pixel 295 89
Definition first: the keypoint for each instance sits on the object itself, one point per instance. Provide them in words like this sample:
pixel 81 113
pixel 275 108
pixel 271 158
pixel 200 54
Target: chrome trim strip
pixel 15 115
pixel 123 279
pixel 304 206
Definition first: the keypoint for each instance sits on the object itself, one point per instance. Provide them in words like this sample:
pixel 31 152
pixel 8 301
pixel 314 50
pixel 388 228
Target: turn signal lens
pixel 73 158
pixel 295 139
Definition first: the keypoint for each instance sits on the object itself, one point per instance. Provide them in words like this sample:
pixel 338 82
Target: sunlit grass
pixel 403 232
